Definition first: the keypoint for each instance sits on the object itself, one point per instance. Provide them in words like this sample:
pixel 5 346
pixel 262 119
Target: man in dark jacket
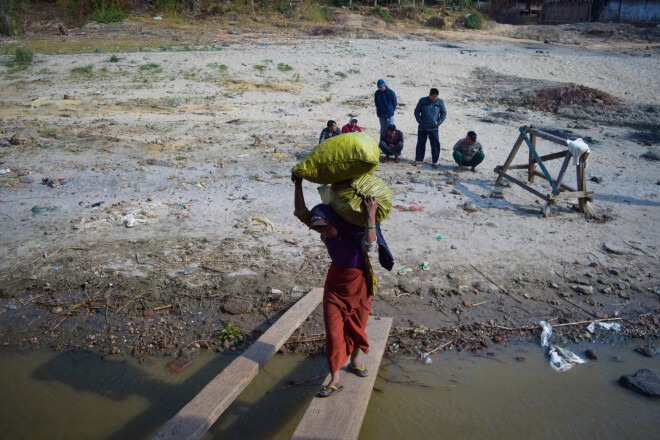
pixel 430 113
pixel 385 100
pixel 391 143
pixel 330 131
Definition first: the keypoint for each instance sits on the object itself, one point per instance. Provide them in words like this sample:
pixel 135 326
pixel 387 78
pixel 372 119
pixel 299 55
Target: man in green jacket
pixel 429 113
pixel 468 152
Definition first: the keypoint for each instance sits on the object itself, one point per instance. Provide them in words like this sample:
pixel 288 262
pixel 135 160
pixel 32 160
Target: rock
pixel 646 350
pixel 483 343
pixel 56 310
pixel 467 303
pixel 205 345
pixel 177 365
pixel 147 313
pixel 23 137
pixel 596 179
pixel 497 339
pixel 276 294
pixel 520 359
pixel 114 350
pixel 644 382
pixel 652 155
pixel 591 354
pixel 492 224
pixel 615 248
pixel 584 290
pixel 237 306
pixel 26 179
pixel 470 207
pixel 455 191
pixel 409 285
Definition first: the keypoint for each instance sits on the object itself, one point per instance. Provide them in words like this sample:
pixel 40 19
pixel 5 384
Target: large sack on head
pixel 342 157
pixel 346 198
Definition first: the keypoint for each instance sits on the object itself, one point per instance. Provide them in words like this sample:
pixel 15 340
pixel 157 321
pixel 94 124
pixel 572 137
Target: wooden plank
pixel 340 416
pixel 548 136
pixel 582 185
pixel 573 195
pixel 509 159
pixel 525 186
pixel 531 167
pixel 546 174
pixel 199 414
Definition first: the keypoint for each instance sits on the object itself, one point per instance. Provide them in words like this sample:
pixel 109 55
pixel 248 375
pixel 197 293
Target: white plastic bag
pixel 547 332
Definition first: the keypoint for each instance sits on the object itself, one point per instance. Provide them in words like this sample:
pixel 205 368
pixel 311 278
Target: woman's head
pixel 321 223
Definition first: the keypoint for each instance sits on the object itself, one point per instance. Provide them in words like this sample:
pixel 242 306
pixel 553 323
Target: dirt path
pixel 197 146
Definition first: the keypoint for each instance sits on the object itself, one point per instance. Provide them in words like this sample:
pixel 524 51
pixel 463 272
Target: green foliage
pixel 342 75
pixel 150 66
pixel 260 67
pixel 114 59
pixel 180 158
pixel 312 11
pixel 383 14
pixel 83 69
pixel 474 21
pixel 284 67
pixel 221 67
pixel 230 332
pixel 23 57
pixel 107 12
pixel 459 5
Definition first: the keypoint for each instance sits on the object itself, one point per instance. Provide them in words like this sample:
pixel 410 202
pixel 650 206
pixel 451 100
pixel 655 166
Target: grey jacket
pixel 468 151
pixel 429 114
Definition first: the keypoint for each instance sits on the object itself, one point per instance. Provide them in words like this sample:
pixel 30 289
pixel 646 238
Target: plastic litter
pixel 11 305
pixel 439 237
pixel 5 171
pixel 426 357
pixel 404 270
pixel 131 221
pixel 425 265
pixel 545 335
pixel 563 360
pixel 39 210
pixel 604 325
pixel 190 268
pixel 158 18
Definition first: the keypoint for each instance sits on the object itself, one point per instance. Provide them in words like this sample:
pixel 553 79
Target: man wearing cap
pixel 351 127
pixel 429 113
pixel 391 143
pixel 385 100
pixel 330 131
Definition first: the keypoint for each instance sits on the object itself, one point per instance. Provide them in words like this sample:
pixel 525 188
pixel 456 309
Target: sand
pixel 200 154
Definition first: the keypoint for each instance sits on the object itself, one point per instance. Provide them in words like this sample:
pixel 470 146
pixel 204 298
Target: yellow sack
pixel 346 198
pixel 338 158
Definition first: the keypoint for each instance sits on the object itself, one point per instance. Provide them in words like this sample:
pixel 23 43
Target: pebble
pixel 615 248
pixel 237 306
pixel 584 290
pixel 596 179
pixel 470 207
pixel 591 354
pixel 646 350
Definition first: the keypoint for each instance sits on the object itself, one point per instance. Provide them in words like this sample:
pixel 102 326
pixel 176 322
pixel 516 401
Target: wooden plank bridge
pixel 343 412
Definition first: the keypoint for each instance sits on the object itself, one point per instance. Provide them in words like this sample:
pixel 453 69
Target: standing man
pixel 331 130
pixel 468 152
pixel 429 113
pixel 385 100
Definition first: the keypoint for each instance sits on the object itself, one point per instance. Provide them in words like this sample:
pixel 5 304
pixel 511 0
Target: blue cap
pixel 380 83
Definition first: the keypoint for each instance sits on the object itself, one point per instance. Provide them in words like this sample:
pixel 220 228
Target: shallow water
pixel 460 395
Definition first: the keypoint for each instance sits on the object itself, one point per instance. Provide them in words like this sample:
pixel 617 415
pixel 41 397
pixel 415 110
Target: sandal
pixel 358 371
pixel 435 166
pixel 329 391
pixel 397 159
pixel 386 158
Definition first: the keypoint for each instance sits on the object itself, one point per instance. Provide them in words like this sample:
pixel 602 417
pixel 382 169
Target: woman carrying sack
pixel 350 283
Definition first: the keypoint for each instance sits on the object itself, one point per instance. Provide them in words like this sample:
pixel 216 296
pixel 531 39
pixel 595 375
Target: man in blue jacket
pixel 430 113
pixel 385 100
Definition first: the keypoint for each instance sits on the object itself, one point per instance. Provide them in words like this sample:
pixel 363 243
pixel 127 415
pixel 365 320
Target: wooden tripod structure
pixel 559 191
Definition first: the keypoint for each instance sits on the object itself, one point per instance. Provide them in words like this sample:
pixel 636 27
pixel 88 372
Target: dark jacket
pixel 392 140
pixel 429 114
pixel 326 134
pixel 385 103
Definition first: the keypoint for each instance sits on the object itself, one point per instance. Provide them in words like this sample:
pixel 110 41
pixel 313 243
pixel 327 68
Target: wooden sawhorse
pixel 559 189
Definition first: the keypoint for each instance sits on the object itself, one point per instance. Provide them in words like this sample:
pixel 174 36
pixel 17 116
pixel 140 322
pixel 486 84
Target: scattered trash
pixel 266 222
pixel 545 335
pixel 439 237
pixel 53 182
pixel 189 269
pixel 57 268
pixel 563 360
pixel 297 292
pixel 11 305
pixel 413 206
pixel 158 18
pixel 39 210
pixel 426 357
pixel 97 204
pixel 404 270
pixel 5 171
pixel 604 325
pixel 131 221
pixel 425 266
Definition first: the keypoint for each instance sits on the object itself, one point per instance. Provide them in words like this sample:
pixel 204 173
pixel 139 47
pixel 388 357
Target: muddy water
pixel 459 395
